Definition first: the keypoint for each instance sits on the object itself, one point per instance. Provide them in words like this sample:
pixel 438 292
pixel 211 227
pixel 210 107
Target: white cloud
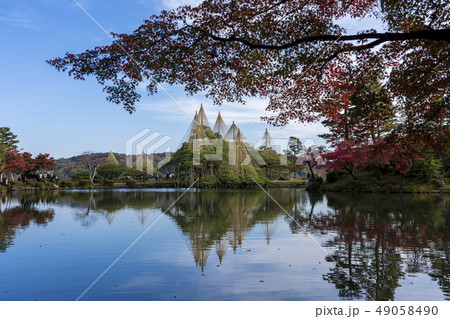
pixel 172 4
pixel 246 117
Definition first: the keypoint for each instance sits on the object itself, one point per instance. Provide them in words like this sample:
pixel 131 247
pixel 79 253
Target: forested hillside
pixel 66 167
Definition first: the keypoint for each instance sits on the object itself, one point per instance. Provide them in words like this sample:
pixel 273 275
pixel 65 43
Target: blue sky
pixel 53 113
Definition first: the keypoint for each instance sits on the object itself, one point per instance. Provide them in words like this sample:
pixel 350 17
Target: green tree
pixel 138 175
pixel 89 162
pixel 274 168
pixel 7 138
pixel 427 169
pixel 294 145
pixel 8 141
pixel 111 171
pixel 2 158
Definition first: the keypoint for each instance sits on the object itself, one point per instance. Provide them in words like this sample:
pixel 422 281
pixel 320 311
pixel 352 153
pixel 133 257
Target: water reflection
pixel 214 220
pixel 380 240
pixel 16 217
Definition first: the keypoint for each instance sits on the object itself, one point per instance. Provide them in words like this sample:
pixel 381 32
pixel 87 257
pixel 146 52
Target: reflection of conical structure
pixel 268 224
pixel 268 227
pixel 203 120
pixel 110 217
pixel 220 126
pixel 221 248
pixel 111 159
pixel 200 246
pixel 241 214
pixel 232 133
pixel 142 216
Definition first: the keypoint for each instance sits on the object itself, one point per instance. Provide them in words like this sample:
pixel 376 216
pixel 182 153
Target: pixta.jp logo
pixel 141 147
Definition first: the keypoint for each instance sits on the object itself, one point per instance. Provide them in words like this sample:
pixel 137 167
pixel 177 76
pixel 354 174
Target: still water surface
pixel 224 245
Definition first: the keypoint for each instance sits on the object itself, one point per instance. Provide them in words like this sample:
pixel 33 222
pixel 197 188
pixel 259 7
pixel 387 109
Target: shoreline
pixel 297 184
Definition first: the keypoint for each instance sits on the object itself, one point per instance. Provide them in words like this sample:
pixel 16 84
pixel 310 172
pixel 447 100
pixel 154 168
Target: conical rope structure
pixel 231 133
pixel 220 126
pixel 195 131
pixel 111 159
pixel 203 120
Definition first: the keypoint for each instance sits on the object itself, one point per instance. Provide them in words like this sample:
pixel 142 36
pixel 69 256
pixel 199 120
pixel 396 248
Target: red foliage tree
pixel 41 161
pixel 44 161
pixel 294 53
pixel 348 156
pixel 14 162
pixel 24 164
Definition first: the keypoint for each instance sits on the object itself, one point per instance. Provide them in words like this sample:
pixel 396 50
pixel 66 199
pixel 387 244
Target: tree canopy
pixel 296 54
pixel 12 161
pixel 8 140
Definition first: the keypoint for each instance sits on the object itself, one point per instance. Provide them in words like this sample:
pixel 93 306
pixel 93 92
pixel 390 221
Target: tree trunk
pixel 313 177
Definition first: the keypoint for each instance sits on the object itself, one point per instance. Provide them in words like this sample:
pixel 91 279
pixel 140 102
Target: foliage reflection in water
pixel 385 242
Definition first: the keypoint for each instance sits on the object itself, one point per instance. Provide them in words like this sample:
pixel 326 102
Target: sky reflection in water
pixel 224 245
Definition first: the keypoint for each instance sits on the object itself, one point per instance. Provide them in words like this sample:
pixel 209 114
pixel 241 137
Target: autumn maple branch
pixel 435 35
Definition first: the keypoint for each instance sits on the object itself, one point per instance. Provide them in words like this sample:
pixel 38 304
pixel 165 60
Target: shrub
pixel 355 185
pixel 228 177
pixel 84 183
pixel 208 181
pixel 131 183
pixel 313 186
pixel 31 182
pixel 65 184
pixel 108 182
pixel 427 169
pixel 111 171
pixel 378 175
pixel 332 177
pixel 83 175
pixel 40 185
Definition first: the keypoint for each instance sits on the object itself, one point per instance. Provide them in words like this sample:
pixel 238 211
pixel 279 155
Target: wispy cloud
pixel 245 116
pixel 248 113
pixel 172 4
pixel 17 22
pixel 18 14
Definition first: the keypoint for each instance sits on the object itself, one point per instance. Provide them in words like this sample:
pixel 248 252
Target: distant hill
pixel 66 167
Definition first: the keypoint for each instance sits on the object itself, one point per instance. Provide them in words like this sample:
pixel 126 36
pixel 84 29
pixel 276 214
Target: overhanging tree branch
pixel 435 35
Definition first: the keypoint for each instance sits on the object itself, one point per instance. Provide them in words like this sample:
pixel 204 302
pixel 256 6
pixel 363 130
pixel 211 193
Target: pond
pixel 223 245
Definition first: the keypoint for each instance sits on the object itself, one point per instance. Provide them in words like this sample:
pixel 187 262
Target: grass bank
pixel 67 185
pixel 300 183
pixel 372 182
